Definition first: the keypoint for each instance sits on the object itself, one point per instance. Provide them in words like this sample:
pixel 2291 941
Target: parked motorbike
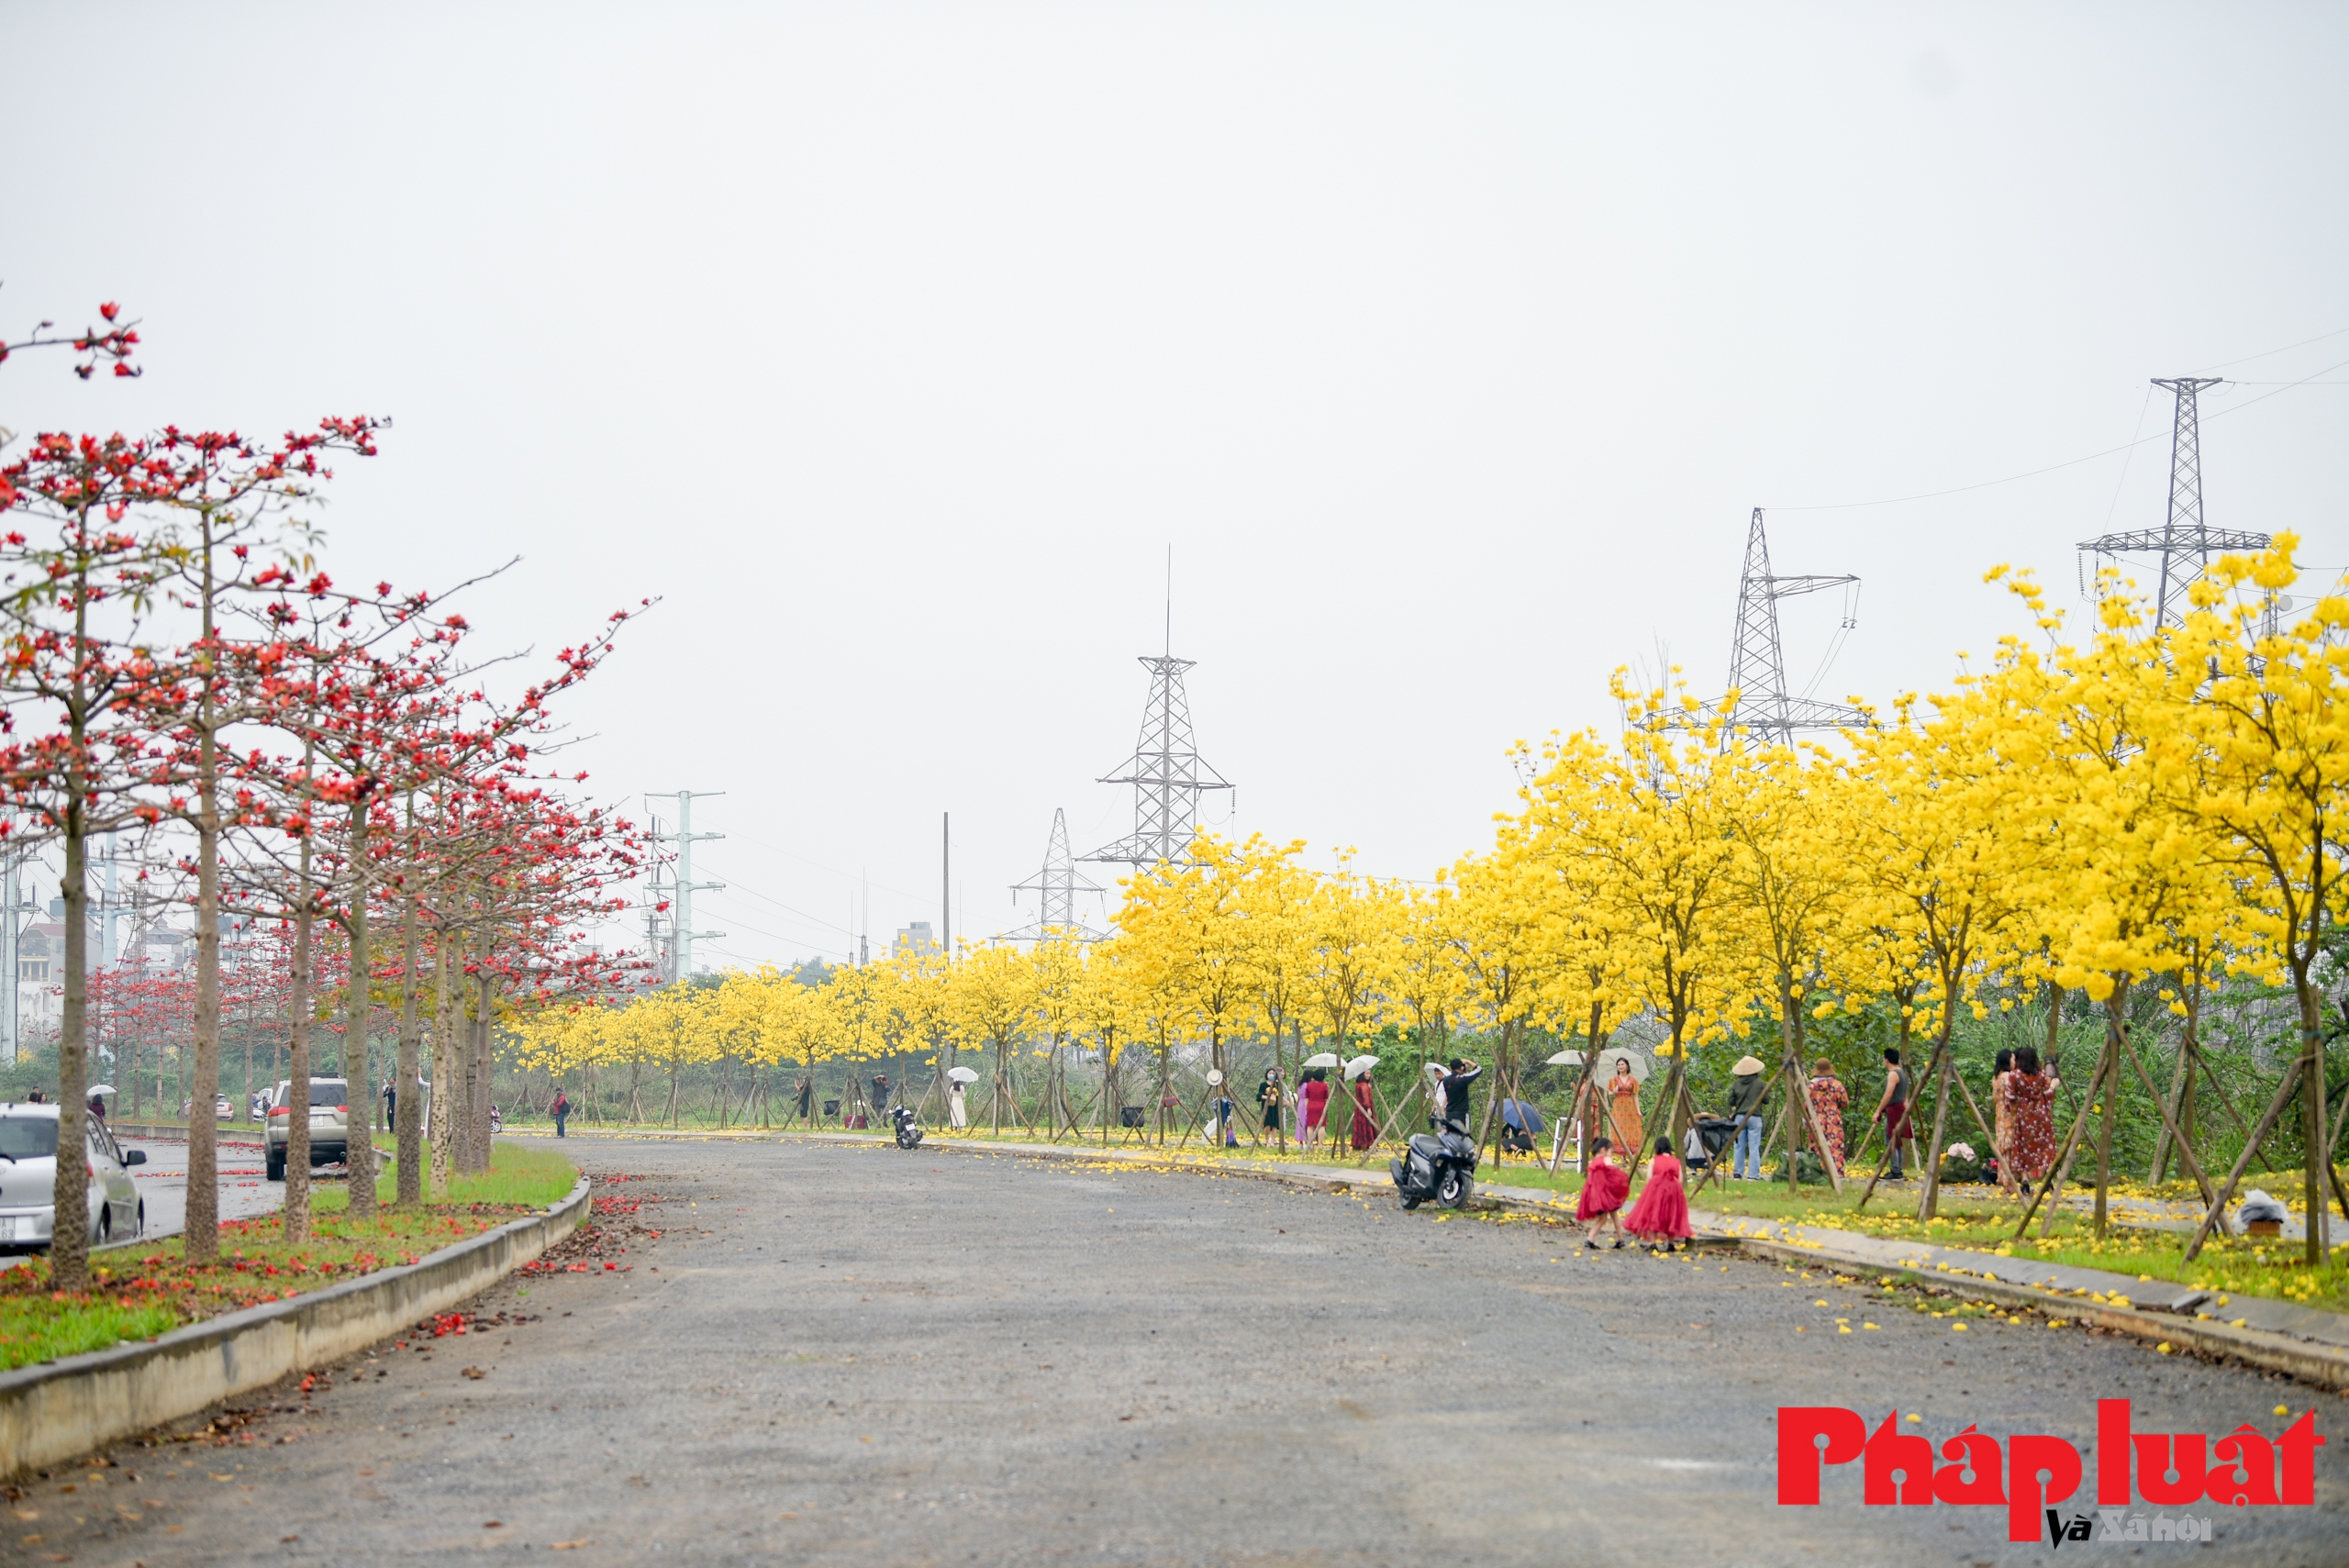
pixel 1439 1165
pixel 909 1129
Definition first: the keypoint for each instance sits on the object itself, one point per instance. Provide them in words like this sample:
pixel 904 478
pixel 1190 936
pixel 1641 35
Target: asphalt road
pixel 839 1354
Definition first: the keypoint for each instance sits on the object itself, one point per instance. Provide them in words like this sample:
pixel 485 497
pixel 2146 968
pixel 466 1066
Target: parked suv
pixel 28 1180
pixel 329 1123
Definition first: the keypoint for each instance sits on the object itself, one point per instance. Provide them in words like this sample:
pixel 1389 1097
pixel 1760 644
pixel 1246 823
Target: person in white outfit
pixel 955 1113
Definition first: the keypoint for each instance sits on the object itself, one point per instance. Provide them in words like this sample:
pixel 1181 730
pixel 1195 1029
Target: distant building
pixel 916 937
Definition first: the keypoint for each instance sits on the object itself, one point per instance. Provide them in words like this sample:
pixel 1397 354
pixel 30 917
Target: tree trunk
pixel 357 1069
pixel 296 1225
pixel 445 1072
pixel 2115 1008
pixel 407 1115
pixel 69 1255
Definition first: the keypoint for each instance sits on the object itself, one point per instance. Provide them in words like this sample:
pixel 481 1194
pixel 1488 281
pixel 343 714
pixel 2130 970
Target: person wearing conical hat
pixel 1748 1084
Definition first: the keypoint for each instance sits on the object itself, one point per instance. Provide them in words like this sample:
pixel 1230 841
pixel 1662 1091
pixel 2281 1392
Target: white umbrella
pixel 1563 1059
pixel 962 1075
pixel 1360 1066
pixel 1436 1070
pixel 102 1088
pixel 1322 1059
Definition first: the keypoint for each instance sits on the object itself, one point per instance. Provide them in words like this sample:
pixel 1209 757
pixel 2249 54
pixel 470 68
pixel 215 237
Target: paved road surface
pixel 853 1355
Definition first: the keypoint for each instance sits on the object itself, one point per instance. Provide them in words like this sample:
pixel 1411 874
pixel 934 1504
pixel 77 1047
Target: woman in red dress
pixel 1662 1213
pixel 1604 1188
pixel 1312 1105
pixel 2028 1097
pixel 1365 1114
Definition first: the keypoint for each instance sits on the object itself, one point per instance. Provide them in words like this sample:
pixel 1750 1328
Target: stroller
pixel 1707 1138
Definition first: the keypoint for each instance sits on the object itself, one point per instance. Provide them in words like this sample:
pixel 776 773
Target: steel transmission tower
pixel 685 838
pixel 1757 660
pixel 1167 774
pixel 1056 887
pixel 2184 538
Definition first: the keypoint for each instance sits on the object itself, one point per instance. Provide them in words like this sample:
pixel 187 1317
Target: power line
pixel 2281 387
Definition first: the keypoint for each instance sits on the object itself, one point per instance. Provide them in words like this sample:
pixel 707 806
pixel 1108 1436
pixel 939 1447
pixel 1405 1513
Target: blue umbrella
pixel 1522 1116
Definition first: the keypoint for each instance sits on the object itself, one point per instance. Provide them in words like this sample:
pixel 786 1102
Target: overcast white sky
pixel 1449 346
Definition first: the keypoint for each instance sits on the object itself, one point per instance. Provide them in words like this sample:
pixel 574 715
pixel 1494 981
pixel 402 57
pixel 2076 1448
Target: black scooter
pixel 1441 1165
pixel 909 1130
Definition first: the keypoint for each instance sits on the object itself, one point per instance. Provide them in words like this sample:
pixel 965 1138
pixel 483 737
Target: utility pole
pixel 8 1040
pixel 2184 543
pixel 683 838
pixel 109 949
pixel 946 884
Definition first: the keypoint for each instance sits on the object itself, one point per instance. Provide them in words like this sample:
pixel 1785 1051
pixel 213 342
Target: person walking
pixel 1892 1109
pixel 1604 1188
pixel 1828 1099
pixel 1662 1213
pixel 958 1114
pixel 1623 1106
pixel 1747 1088
pixel 2028 1097
pixel 560 1110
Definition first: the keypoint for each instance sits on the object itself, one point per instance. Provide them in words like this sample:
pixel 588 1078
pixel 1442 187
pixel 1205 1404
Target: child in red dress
pixel 1662 1213
pixel 1604 1188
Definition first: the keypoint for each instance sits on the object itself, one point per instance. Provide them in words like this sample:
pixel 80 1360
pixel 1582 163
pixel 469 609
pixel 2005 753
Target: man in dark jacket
pixel 1748 1084
pixel 1455 1088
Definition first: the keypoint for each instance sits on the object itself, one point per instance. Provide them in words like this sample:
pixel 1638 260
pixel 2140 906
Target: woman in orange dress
pixel 1623 1104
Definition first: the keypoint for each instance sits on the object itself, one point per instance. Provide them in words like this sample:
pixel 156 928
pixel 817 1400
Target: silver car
pixel 28 1180
pixel 330 1124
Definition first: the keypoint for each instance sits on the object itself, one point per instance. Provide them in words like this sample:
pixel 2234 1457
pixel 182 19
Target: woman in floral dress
pixel 1828 1097
pixel 2027 1098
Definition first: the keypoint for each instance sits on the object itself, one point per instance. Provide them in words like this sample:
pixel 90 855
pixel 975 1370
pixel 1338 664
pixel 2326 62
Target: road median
pixel 67 1406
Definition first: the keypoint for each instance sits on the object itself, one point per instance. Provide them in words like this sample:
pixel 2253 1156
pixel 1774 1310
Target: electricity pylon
pixel 684 838
pixel 1167 774
pixel 2185 543
pixel 1757 660
pixel 1056 887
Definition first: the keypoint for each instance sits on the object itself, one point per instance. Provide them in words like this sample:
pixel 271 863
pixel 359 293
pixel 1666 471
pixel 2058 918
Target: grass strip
pixel 143 1292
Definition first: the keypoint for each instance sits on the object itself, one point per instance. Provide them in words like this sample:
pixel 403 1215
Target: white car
pixel 28 1180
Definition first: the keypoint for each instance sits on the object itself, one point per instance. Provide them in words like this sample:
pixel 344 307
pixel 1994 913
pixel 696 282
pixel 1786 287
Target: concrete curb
pixel 69 1406
pixel 2308 1361
pixel 2327 1366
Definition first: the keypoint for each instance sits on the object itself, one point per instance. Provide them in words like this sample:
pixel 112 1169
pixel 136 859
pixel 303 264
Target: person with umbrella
pixel 1365 1103
pixel 1313 1106
pixel 958 1114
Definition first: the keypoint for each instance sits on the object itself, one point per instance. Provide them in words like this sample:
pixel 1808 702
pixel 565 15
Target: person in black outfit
pixel 806 1098
pixel 1456 1085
